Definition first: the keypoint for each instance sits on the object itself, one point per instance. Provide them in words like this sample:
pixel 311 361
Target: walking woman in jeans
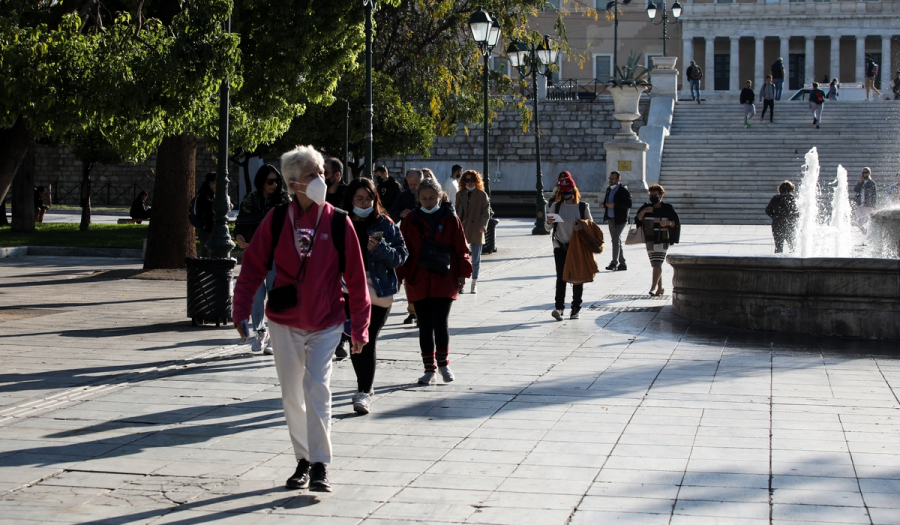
pixel 569 208
pixel 474 209
pixel 436 269
pixel 383 252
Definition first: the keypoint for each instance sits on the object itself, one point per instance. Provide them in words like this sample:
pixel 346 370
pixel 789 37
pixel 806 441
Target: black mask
pixel 568 194
pixel 654 199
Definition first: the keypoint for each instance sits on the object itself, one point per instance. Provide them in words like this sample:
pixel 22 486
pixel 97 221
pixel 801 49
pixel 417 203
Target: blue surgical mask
pixel 363 212
pixel 471 188
pixel 432 210
pixel 568 194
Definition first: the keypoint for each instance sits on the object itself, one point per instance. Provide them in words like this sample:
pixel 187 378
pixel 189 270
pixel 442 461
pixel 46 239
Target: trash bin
pixel 490 236
pixel 210 290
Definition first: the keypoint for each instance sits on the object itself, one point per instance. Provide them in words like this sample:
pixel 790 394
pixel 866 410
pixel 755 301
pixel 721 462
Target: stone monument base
pixel 630 159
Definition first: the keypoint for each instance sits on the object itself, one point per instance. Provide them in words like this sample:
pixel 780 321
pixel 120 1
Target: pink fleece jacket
pixel 320 301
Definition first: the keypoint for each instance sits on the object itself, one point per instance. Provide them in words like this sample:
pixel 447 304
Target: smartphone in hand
pixel 378 236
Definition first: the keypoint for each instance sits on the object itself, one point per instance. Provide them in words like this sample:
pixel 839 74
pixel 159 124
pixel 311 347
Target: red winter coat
pixel 422 283
pixel 320 301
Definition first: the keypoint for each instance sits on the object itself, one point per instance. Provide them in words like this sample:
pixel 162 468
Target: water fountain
pixel 833 285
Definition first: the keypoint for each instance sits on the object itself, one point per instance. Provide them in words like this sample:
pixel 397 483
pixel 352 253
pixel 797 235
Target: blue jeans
pixel 779 87
pixel 695 87
pixel 476 258
pixel 258 312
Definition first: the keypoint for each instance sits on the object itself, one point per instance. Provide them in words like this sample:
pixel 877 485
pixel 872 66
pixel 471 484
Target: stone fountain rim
pixel 784 262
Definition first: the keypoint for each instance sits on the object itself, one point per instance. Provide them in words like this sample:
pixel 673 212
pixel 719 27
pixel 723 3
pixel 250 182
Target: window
pixel 552 5
pixel 602 67
pixel 500 65
pixel 724 1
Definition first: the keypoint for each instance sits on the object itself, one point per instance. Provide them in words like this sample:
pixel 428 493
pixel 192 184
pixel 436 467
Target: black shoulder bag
pixel 434 256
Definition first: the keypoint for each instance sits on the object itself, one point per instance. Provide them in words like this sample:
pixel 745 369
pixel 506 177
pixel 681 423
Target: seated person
pixel 39 207
pixel 139 208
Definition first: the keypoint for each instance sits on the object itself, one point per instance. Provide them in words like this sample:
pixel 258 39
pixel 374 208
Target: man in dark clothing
pixel 767 97
pixel 388 188
pixel 205 198
pixel 871 73
pixel 616 207
pixel 747 99
pixel 139 208
pixel 778 77
pixel 406 201
pixel 785 215
pixel 334 171
pixel 694 74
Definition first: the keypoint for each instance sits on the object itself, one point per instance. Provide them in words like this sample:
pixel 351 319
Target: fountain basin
pixel 816 295
pixel 885 238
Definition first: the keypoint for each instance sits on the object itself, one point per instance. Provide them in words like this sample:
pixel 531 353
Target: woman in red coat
pixel 435 271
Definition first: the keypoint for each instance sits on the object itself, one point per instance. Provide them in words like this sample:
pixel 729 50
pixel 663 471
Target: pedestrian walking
pixel 662 228
pixel 140 210
pixel 616 208
pixel 747 98
pixel 694 74
pixel 871 73
pixel 383 251
pixel 816 103
pixel 451 185
pixel 564 215
pixel 271 191
pixel 314 249
pixel 785 215
pixel 437 267
pixel 778 77
pixel 767 97
pixel 473 206
pixel 866 198
pixel 388 187
pixel 833 90
pixel 404 205
pixel 334 179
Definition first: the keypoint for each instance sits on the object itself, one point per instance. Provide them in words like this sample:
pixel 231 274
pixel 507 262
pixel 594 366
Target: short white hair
pixel 295 160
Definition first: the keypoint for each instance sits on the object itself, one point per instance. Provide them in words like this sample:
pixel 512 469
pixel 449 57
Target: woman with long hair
pixel 662 228
pixel 473 206
pixel 566 212
pixel 270 192
pixel 383 252
pixel 436 269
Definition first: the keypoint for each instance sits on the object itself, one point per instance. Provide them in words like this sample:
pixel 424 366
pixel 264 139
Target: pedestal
pixel 629 158
pixel 665 83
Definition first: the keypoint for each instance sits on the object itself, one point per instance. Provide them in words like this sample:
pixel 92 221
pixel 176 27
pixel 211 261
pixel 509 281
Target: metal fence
pixel 568 90
pixel 109 194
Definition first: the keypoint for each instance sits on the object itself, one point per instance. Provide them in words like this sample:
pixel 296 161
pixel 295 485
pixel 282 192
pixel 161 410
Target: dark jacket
pixel 139 209
pixel 383 261
pixel 621 205
pixel 336 199
pixel 747 96
pixel 444 227
pixel 778 69
pixel 871 68
pixel 405 201
pixel 656 235
pixel 871 193
pixel 694 72
pixel 205 199
pixel 388 192
pixel 784 213
pixel 253 210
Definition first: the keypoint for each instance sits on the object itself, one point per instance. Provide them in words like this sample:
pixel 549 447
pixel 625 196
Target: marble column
pixel 835 68
pixel 687 55
pixel 709 64
pixel 734 83
pixel 784 53
pixel 860 60
pixel 759 68
pixel 809 75
pixel 885 65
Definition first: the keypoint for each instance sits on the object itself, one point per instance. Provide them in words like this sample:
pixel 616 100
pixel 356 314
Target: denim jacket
pixel 386 257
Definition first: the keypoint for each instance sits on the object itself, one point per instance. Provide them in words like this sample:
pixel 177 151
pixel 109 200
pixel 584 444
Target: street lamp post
pixel 651 13
pixel 486 33
pixel 220 243
pixel 367 171
pixel 613 5
pixel 530 59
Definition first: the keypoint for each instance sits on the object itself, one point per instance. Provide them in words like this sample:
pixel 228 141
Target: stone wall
pixel 572 138
pixel 111 185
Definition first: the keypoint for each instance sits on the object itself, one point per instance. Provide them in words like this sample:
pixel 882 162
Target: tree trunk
pixel 14 144
pixel 23 195
pixel 170 236
pixel 85 195
pixel 3 220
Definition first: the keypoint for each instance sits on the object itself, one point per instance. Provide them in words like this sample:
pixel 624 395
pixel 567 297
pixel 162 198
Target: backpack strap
pixel 582 206
pixel 556 211
pixel 338 235
pixel 278 215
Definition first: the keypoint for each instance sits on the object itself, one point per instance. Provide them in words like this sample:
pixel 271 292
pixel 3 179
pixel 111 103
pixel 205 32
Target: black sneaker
pixel 410 319
pixel 622 267
pixel 319 478
pixel 341 351
pixel 612 266
pixel 576 313
pixel 300 479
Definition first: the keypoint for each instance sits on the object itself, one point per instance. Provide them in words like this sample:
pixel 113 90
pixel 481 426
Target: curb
pixel 64 251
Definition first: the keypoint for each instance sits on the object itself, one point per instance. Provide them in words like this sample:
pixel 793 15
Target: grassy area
pixel 65 234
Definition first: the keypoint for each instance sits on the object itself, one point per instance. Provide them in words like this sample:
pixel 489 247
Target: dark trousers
pixel 782 234
pixel 434 330
pixel 768 104
pixel 559 255
pixel 364 362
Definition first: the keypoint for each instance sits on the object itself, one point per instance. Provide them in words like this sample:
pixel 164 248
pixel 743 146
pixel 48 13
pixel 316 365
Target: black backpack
pixel 338 232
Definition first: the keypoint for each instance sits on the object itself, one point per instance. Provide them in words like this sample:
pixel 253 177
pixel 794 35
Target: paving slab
pixel 113 409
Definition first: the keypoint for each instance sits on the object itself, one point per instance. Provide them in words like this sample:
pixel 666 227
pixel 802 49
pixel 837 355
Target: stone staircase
pixel 717 172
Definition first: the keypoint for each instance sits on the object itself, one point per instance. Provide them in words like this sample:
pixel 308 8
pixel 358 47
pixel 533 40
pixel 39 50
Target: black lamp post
pixel 651 13
pixel 220 243
pixel 613 6
pixel 486 33
pixel 367 171
pixel 536 61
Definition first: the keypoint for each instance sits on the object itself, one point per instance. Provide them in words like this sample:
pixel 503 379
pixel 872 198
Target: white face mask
pixel 432 210
pixel 471 188
pixel 316 190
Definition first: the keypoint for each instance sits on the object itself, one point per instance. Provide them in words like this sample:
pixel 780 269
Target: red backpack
pixel 818 97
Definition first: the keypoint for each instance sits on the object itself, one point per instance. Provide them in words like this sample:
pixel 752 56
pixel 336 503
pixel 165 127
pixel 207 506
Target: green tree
pixel 91 148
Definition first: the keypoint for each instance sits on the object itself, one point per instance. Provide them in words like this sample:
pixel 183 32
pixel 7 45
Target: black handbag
pixel 283 297
pixel 435 257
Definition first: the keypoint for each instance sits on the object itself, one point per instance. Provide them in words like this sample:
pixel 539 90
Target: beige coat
pixel 474 214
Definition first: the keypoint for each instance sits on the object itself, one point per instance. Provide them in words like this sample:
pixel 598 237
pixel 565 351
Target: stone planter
pixel 664 62
pixel 626 99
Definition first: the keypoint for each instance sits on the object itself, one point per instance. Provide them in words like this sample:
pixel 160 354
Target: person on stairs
pixel 767 97
pixel 694 74
pixel 747 98
pixel 816 102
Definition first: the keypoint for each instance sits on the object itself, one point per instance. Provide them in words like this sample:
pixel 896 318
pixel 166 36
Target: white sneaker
pixel 268 350
pixel 474 288
pixel 446 374
pixel 361 403
pixel 557 314
pixel 262 339
pixel 427 379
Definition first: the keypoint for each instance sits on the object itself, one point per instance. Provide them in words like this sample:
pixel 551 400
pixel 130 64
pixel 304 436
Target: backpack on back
pixel 874 69
pixel 338 233
pixel 818 96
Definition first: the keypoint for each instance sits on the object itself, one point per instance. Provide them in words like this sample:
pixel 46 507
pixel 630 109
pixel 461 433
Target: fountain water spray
pixel 808 203
pixel 841 225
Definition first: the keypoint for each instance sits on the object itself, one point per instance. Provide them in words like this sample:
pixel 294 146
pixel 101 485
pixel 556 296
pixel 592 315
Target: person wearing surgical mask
pixel 305 307
pixel 473 206
pixel 436 269
pixel 383 252
pixel 662 228
pixel 563 218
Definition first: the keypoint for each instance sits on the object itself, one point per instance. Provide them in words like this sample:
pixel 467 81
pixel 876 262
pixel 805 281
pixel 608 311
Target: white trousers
pixel 303 362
